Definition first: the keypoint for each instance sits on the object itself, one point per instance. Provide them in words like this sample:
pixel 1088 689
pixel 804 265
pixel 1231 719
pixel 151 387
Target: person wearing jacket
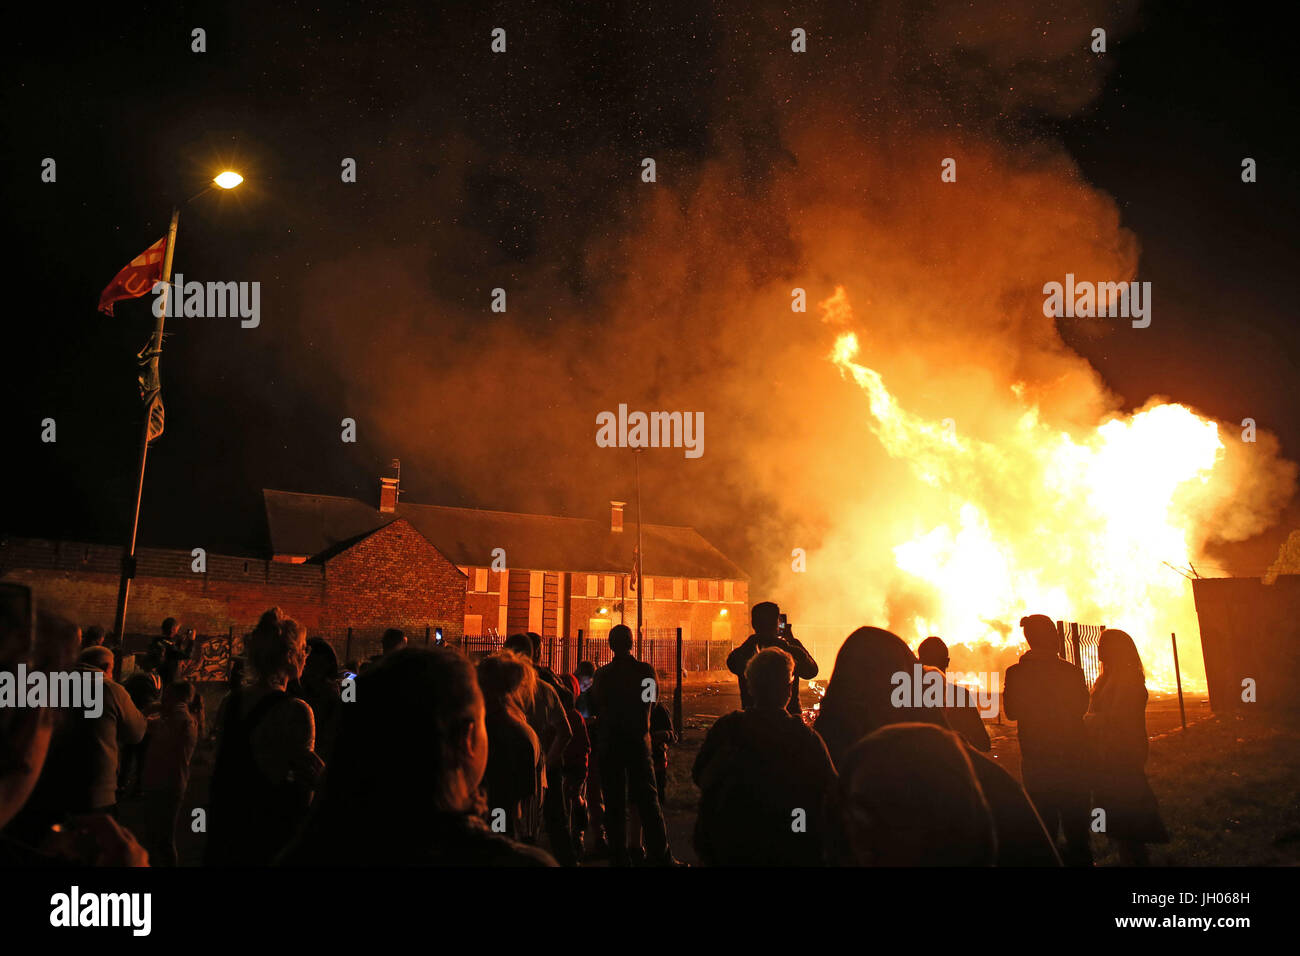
pixel 1047 697
pixel 770 632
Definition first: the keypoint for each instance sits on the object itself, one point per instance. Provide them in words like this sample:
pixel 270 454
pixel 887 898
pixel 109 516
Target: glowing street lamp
pixel 228 179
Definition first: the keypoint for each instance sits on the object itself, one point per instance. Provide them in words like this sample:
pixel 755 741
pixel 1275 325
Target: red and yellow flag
pixel 137 278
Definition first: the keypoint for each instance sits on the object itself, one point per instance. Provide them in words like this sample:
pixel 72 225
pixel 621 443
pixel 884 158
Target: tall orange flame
pixel 1038 521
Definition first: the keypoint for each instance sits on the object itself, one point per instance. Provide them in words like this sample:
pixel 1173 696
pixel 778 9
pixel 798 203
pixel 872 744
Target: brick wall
pixel 392 577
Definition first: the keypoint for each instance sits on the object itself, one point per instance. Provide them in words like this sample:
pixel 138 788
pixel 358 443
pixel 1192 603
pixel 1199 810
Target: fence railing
pixel 213 653
pixel 1079 646
pixel 658 648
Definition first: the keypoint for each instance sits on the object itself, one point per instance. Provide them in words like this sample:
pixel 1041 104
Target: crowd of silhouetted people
pixel 423 756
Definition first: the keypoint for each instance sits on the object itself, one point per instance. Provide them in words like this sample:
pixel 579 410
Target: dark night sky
pixel 505 171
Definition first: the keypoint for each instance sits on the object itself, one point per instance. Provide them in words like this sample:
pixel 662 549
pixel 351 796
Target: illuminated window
pixel 535 585
pixel 693 590
pixel 609 585
pixel 480 583
pixel 593 585
pixel 677 589
pixel 713 590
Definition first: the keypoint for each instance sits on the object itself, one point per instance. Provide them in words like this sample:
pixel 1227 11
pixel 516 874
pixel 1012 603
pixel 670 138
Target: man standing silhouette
pixel 1047 697
pixel 964 716
pixel 771 631
pixel 622 694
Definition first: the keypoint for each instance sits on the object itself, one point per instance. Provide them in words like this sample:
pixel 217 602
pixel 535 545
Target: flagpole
pixel 155 346
pixel 640 559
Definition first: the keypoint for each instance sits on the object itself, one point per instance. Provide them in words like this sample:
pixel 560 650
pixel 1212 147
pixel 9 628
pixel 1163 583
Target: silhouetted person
pixel 964 716
pixel 577 758
pixel 859 701
pixel 144 686
pixel 94 839
pixel 175 733
pixel 1117 722
pixel 321 689
pixel 81 767
pixel 908 796
pixel 169 649
pixel 546 673
pixel 622 693
pixel 513 752
pixel 393 640
pixel 662 736
pixel 234 687
pixel 764 777
pixel 92 636
pixel 266 765
pixel 584 672
pixel 1047 697
pixel 549 718
pixel 768 632
pixel 410 797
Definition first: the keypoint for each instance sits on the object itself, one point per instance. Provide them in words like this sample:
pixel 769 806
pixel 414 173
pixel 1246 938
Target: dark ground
pixel 1227 786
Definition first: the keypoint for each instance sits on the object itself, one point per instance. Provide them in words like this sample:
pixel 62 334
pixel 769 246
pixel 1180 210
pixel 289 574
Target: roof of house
pixel 310 525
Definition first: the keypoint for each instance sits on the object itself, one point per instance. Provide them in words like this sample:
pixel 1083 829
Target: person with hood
pixel 859 701
pixel 908 796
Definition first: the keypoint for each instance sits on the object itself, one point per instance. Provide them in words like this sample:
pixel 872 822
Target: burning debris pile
pixel 1089 526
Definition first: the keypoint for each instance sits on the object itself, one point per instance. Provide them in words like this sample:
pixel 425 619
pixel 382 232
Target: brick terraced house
pixel 347 569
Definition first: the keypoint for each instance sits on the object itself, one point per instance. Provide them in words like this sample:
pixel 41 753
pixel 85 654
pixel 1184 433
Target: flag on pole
pixel 151 387
pixel 136 278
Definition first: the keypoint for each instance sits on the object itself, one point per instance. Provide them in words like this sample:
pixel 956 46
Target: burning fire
pixel 1036 520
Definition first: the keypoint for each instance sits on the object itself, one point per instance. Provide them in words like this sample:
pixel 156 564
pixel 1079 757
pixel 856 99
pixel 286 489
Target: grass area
pixel 1229 792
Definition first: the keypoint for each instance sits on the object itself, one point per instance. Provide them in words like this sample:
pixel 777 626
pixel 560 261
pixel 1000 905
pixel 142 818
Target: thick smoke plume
pixel 820 170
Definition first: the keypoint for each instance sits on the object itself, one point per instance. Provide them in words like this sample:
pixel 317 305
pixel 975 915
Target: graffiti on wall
pixel 211 659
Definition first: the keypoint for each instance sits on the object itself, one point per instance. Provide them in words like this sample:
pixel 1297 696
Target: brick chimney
pixel 387 495
pixel 616 516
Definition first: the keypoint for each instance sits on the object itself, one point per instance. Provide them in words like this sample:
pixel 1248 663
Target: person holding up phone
pixel 771 629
